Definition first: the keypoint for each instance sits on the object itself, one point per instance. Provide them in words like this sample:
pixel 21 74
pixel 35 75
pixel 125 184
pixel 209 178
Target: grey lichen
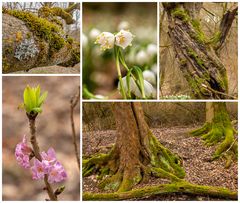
pixel 26 49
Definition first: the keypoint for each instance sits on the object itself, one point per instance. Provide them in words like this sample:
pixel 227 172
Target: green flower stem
pixel 119 73
pixel 122 60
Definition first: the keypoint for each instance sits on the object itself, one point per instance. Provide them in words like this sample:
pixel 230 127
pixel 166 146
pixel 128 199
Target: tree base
pixel 212 134
pixel 161 163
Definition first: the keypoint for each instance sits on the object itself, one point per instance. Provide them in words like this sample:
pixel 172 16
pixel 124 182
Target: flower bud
pixel 149 76
pixel 84 41
pixel 148 89
pixel 142 58
pixel 123 25
pixel 94 33
pixel 152 50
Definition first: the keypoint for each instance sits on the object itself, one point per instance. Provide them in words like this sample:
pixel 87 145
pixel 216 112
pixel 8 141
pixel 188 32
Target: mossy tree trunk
pixel 136 155
pixel 218 129
pixel 197 54
pixel 38 40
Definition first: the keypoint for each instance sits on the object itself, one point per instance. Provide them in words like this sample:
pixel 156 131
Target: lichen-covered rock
pixel 26 49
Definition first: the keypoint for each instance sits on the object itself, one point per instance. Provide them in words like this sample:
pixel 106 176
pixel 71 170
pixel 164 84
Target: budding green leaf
pixel 33 99
pixel 59 190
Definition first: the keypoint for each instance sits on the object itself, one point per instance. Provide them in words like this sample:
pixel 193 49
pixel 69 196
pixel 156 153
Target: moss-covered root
pixel 123 180
pixel 200 131
pixel 179 187
pixel 164 159
pixel 228 148
pixel 224 135
pixel 93 164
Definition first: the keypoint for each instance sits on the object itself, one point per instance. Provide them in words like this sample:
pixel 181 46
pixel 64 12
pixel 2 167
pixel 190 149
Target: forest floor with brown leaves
pixel 194 153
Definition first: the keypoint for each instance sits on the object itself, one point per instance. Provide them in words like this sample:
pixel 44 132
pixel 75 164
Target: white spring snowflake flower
pixel 149 76
pixel 150 92
pixel 123 25
pixel 98 96
pixel 106 40
pixel 84 40
pixel 154 69
pixel 94 33
pixel 124 39
pixel 152 50
pixel 142 58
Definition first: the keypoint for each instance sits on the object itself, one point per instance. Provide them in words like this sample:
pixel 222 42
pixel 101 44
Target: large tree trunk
pixel 218 129
pixel 31 41
pixel 136 155
pixel 196 54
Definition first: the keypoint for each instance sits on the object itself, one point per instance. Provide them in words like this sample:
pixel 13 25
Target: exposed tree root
pixel 178 187
pixel 221 131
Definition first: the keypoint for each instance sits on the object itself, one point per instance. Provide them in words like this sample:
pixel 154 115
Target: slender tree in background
pixel 197 54
pixel 137 155
pixel 38 39
pixel 219 129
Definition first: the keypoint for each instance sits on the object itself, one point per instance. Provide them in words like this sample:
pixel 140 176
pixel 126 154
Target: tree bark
pixel 218 129
pixel 196 54
pixel 209 112
pixel 30 41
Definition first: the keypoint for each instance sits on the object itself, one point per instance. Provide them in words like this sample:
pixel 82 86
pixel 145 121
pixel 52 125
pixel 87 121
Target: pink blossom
pixel 50 156
pixel 38 170
pixel 56 173
pixel 22 153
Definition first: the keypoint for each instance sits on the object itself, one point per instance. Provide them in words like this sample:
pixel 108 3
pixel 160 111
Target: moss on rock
pixel 41 27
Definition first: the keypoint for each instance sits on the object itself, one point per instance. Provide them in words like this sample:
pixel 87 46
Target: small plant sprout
pixel 43 165
pixel 33 100
pixel 133 84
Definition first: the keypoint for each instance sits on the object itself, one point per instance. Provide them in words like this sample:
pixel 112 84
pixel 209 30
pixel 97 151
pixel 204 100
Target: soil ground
pixel 195 161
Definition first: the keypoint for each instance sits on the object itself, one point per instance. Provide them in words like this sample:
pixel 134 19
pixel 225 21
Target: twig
pixel 217 92
pixel 231 145
pixel 74 100
pixel 32 126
